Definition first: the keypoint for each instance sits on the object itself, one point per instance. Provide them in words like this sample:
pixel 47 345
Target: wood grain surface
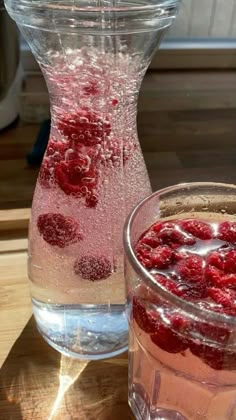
pixel 37 383
pixel 15 306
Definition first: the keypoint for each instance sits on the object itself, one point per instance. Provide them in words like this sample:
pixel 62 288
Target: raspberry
pixel 150 238
pixel 93 268
pixel 228 280
pixel 227 232
pixel 183 290
pixel 212 356
pixel 84 126
pixel 157 227
pixel 210 332
pixel 58 230
pixel 226 298
pixel 213 275
pixel 169 234
pixel 230 261
pixel 168 338
pixel 78 178
pixel 197 228
pixel 161 257
pixel 143 254
pixel 145 322
pixel 216 260
pixel 218 336
pixel 191 269
pixel 178 256
pixel 193 291
pixel 168 284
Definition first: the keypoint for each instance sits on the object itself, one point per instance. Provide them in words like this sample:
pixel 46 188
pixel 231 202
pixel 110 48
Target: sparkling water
pixel 92 175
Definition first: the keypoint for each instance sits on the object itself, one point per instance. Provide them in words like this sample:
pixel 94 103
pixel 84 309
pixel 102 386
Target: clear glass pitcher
pixel 93 55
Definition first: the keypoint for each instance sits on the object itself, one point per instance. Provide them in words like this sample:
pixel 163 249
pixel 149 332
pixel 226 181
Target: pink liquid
pixel 92 174
pixel 177 368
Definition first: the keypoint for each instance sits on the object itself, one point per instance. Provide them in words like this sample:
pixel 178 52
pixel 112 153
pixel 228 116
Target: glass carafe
pixel 93 55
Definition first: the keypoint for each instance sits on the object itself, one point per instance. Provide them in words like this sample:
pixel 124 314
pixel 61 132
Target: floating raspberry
pixel 191 269
pixel 170 234
pixel 58 230
pixel 230 261
pixel 213 275
pixel 226 298
pixel 143 254
pixel 84 126
pixel 210 332
pixel 216 259
pixel 227 232
pixel 211 355
pixel 78 178
pixel 140 315
pixel 212 342
pixel 228 280
pixel 164 336
pixel 150 238
pixel 178 256
pixel 170 337
pixel 161 257
pixel 197 228
pixel 168 284
pixel 93 268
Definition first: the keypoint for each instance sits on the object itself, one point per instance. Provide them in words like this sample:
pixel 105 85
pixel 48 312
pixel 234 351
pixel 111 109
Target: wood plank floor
pixel 187 129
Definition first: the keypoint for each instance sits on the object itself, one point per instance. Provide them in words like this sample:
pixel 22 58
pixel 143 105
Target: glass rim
pixel 145 275
pixel 76 6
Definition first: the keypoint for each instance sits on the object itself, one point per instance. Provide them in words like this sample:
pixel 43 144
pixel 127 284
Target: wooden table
pixel 36 382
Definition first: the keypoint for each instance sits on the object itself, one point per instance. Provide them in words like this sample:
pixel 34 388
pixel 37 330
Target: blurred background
pixel 187 105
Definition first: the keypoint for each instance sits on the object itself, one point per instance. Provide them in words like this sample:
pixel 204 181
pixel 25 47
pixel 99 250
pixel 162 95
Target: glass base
pixel 139 404
pixel 165 386
pixel 89 332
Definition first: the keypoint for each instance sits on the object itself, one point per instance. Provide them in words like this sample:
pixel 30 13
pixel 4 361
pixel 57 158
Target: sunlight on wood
pixel 70 370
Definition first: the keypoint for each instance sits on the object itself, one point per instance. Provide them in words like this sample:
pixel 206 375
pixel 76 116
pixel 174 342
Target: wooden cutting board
pixel 36 382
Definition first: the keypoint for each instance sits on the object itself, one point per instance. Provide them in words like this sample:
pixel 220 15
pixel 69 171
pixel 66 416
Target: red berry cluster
pixel 170 250
pixel 74 164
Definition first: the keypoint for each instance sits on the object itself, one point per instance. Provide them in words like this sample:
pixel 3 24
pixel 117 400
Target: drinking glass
pixel 183 365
